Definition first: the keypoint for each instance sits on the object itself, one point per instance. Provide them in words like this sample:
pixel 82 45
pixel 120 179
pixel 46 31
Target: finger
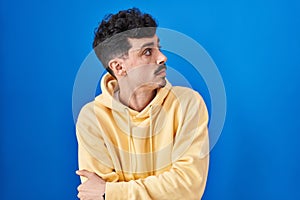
pixel 79 188
pixel 79 195
pixel 84 173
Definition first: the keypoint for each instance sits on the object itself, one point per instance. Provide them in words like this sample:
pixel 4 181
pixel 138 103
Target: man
pixel 141 138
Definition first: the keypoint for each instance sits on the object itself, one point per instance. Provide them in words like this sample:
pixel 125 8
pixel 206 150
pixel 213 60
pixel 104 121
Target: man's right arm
pixel 92 153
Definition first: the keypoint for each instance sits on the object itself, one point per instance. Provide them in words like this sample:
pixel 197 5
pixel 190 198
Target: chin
pixel 162 83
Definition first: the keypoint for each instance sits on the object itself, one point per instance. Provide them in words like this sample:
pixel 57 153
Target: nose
pixel 161 58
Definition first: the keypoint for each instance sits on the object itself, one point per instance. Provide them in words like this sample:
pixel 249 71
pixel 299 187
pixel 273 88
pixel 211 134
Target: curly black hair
pixel 111 37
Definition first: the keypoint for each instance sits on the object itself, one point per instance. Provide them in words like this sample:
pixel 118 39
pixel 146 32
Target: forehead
pixel 138 43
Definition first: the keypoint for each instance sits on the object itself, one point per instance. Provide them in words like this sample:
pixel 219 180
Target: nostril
pixel 161 59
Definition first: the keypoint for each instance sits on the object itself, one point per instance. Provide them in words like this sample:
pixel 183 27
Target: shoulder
pixel 87 124
pixel 86 110
pixel 190 104
pixel 187 95
pixel 87 116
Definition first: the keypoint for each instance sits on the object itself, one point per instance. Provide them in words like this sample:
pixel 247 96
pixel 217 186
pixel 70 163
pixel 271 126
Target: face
pixel 145 64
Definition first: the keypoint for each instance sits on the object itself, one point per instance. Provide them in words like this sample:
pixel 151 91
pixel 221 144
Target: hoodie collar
pixel 109 86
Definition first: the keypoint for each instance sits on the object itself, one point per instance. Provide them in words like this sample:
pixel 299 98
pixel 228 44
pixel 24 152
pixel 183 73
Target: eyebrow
pixel 149 44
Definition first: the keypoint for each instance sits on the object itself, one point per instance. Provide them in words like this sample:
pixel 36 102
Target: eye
pixel 147 52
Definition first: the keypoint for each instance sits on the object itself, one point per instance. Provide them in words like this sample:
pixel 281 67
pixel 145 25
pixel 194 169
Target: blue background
pixel 255 45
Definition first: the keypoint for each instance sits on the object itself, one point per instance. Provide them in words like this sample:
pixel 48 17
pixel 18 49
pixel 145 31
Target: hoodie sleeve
pixel 187 177
pixel 92 154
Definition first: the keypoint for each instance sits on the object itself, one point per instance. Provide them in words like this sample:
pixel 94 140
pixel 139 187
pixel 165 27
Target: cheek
pixel 145 60
pixel 142 74
pixel 137 63
pixel 143 71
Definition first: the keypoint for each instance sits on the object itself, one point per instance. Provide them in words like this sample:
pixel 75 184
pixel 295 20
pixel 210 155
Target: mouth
pixel 161 71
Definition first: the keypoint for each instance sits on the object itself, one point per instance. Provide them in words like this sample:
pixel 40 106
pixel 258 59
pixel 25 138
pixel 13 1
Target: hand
pixel 93 188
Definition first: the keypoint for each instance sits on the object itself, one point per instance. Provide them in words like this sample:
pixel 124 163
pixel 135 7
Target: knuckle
pixel 80 196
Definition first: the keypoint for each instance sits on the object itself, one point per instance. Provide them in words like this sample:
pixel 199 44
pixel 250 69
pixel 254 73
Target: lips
pixel 161 69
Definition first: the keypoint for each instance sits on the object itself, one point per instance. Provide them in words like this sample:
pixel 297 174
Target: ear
pixel 116 65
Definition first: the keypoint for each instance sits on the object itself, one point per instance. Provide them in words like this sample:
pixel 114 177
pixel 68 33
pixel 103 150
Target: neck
pixel 136 100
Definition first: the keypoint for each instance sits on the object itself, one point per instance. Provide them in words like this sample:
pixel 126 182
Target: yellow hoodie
pixel 159 153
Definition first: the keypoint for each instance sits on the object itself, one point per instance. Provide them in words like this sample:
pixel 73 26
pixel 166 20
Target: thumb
pixel 84 173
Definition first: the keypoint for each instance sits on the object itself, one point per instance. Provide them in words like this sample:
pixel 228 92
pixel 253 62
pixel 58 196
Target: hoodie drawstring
pixel 133 162
pixel 151 142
